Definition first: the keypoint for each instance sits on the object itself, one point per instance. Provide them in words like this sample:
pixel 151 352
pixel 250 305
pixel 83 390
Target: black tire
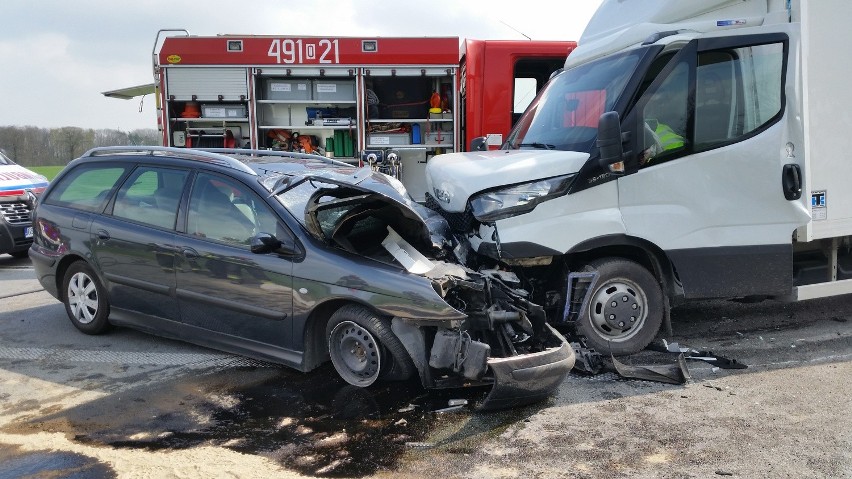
pixel 85 299
pixel 20 254
pixel 625 308
pixel 363 348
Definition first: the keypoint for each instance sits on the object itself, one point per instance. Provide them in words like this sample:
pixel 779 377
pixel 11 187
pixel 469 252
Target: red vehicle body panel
pixel 488 77
pixel 261 50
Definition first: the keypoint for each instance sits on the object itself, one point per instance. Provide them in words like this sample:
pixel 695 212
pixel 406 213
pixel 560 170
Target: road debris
pixel 667 373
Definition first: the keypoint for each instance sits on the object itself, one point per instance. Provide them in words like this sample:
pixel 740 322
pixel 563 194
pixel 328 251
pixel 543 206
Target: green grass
pixel 49 171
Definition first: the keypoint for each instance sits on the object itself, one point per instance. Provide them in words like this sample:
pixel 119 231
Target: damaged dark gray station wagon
pixel 289 258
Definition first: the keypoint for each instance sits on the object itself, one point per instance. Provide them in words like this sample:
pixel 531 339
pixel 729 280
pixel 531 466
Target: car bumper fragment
pixel 529 378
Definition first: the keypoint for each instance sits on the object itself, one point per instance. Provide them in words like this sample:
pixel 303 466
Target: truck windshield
pixel 565 114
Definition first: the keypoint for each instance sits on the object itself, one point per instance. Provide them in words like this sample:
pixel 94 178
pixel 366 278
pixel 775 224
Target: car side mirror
pixel 479 143
pixel 263 243
pixel 610 142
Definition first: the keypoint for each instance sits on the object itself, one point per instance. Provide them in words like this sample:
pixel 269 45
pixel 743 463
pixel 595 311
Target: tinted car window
pixel 226 211
pixel 151 196
pixel 86 188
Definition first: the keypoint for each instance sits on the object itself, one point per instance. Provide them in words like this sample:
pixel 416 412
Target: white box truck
pixel 689 149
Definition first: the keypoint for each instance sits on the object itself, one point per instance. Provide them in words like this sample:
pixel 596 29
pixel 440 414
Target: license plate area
pixel 28 232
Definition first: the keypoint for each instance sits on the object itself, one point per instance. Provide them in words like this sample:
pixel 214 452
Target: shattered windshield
pixel 565 114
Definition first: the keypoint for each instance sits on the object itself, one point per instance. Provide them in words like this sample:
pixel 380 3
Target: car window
pixel 226 211
pixel 86 187
pixel 151 196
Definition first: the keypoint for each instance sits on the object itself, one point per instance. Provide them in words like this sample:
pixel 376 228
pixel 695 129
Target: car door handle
pixel 188 252
pixel 791 181
pixel 103 235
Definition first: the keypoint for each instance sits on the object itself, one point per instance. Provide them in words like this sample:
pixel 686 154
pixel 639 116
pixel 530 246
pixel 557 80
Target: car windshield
pixel 4 160
pixel 565 114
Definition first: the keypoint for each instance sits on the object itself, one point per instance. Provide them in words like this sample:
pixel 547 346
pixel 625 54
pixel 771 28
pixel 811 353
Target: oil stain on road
pixel 314 423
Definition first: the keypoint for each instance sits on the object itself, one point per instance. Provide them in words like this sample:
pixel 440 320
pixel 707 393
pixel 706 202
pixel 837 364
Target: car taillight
pixel 49 231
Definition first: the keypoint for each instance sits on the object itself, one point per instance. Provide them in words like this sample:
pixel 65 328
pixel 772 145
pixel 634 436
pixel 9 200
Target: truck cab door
pixel 708 182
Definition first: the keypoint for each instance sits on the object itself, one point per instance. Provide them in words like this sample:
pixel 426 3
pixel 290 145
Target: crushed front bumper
pixel 528 378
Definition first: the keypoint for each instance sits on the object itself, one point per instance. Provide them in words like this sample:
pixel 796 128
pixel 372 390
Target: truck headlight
pixel 518 199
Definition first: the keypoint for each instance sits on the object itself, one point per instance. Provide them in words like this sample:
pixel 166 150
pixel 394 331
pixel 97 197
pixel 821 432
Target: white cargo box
pixel 334 90
pixel 382 139
pixel 441 138
pixel 223 111
pixel 827 102
pixel 287 89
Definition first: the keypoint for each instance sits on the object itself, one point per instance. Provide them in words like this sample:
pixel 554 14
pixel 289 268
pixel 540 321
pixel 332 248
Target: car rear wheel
pixel 625 308
pixel 363 348
pixel 85 299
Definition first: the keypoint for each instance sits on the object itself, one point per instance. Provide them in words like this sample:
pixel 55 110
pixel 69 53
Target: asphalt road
pixel 127 404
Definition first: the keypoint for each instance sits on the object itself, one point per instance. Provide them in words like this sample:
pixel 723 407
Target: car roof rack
pixel 220 156
pixel 184 153
pixel 277 153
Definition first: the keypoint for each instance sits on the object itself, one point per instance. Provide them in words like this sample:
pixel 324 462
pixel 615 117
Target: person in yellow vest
pixel 666 139
pixel 663 121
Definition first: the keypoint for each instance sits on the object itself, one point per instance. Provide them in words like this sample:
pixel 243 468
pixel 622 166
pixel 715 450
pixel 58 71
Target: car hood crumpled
pixel 425 226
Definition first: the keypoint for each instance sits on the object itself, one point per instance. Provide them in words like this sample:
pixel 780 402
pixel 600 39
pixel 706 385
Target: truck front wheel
pixel 625 308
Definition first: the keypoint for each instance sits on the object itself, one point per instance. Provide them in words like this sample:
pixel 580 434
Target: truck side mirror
pixel 479 143
pixel 610 141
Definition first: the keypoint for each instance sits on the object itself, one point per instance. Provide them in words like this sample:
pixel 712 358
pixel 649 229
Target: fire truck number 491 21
pixel 304 51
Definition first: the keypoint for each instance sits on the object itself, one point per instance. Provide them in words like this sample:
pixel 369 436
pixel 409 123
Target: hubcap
pixel 618 310
pixel 354 353
pixel 83 298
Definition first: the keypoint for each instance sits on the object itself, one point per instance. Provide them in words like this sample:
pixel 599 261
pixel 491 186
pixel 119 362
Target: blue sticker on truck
pixel 819 205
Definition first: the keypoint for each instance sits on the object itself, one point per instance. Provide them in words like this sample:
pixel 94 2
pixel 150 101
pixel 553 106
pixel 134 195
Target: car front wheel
pixel 363 348
pixel 85 299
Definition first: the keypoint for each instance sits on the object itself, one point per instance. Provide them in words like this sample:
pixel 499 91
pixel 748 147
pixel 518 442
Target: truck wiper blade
pixel 541 146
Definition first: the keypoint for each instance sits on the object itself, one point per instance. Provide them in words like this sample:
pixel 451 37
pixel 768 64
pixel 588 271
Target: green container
pixel 348 147
pixel 329 145
pixel 338 143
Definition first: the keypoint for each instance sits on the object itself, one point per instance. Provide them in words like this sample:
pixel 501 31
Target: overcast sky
pixel 59 55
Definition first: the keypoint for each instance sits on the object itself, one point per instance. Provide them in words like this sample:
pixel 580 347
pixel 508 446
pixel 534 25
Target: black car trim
pixel 136 283
pixel 205 337
pixel 232 305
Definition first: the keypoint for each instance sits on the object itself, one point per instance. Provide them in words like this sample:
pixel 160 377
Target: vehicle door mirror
pixel 263 243
pixel 479 143
pixel 610 142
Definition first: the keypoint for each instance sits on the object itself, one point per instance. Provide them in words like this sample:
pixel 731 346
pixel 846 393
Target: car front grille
pixel 15 213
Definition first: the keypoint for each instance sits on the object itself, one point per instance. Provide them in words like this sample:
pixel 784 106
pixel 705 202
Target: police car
pixel 19 189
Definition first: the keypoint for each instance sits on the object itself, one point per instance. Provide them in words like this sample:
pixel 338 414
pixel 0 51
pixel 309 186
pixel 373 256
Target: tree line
pixel 34 146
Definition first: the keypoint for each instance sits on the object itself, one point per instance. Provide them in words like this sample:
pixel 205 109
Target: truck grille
pixel 459 222
pixel 15 213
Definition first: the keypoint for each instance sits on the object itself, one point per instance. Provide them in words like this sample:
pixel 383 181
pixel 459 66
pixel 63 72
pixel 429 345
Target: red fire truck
pixel 350 98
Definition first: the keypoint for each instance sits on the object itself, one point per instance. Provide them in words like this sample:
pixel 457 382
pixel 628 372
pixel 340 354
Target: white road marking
pixel 192 360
